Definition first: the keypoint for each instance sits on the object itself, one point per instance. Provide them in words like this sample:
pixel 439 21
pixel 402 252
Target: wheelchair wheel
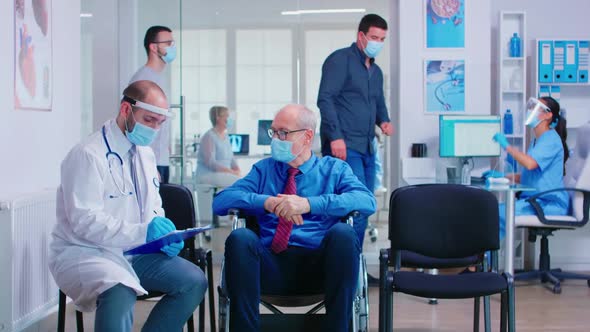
pixel 373 233
pixel 360 307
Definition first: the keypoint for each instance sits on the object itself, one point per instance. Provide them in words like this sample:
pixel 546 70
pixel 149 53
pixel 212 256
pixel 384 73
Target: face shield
pixel 535 108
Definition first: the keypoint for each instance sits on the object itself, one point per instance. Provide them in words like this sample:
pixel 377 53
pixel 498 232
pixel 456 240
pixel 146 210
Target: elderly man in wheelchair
pixel 301 248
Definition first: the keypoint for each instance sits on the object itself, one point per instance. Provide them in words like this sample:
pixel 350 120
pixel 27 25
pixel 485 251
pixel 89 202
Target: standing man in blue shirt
pixel 319 253
pixel 351 103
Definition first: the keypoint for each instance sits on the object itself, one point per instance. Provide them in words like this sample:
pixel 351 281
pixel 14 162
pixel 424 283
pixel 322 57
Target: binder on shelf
pixel 545 61
pixel 544 91
pixel 154 246
pixel 583 61
pixel 571 62
pixel 558 61
pixel 555 92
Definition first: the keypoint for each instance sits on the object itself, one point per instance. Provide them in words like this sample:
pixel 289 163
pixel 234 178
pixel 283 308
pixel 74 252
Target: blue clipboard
pixel 155 245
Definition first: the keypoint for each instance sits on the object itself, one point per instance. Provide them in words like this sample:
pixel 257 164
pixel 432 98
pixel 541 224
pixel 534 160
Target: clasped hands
pixel 288 207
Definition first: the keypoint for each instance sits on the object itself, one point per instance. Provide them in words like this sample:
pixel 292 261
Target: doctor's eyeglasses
pixel 281 134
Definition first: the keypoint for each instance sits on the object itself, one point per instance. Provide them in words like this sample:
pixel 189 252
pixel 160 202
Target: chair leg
pixel 79 321
pixel 190 324
pixel 503 310
pixel 511 309
pixel 476 314
pixel 211 291
pixel 61 312
pixel 383 267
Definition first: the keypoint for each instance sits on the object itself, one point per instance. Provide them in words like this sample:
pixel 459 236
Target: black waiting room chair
pixel 445 222
pixel 178 204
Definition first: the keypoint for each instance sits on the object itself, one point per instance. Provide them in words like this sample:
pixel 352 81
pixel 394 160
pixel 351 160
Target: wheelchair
pixel 310 320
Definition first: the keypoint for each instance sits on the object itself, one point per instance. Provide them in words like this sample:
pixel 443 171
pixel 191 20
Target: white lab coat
pixel 92 228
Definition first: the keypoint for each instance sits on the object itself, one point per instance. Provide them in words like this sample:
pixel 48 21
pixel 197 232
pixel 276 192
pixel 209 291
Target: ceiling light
pixel 323 11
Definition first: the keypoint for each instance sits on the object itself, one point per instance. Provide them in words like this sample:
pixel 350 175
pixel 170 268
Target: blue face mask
pixel 281 150
pixel 373 48
pixel 170 54
pixel 141 134
pixel 532 119
pixel 230 123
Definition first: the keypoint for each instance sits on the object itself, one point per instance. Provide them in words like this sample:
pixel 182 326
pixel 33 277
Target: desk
pixel 510 206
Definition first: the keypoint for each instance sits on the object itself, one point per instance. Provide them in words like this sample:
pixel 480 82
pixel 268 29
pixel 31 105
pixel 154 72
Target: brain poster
pixel 32 54
pixel 445 23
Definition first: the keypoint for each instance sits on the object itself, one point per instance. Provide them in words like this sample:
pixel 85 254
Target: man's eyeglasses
pixel 169 42
pixel 281 134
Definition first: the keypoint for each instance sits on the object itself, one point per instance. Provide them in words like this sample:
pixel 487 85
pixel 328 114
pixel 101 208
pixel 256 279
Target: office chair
pixel 310 321
pixel 178 204
pixel 544 225
pixel 446 222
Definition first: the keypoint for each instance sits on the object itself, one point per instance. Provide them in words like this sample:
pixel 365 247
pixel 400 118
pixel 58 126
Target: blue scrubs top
pixel 547 150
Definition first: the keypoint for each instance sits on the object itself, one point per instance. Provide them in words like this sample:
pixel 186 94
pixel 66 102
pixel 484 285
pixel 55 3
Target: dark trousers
pixel 332 269
pixel 164 173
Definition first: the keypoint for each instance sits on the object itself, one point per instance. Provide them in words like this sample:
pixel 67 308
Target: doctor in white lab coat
pixel 108 200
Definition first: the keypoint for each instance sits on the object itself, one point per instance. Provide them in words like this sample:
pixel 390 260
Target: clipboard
pixel 155 245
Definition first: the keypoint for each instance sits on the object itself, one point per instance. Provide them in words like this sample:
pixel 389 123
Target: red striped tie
pixel 283 232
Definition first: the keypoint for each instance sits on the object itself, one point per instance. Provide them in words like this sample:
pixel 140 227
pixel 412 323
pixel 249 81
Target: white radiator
pixel 27 290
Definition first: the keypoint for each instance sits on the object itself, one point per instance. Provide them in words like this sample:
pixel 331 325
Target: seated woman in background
pixel 216 164
pixel 543 163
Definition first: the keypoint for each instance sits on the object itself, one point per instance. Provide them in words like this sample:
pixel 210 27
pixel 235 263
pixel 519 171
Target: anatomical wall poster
pixel 33 54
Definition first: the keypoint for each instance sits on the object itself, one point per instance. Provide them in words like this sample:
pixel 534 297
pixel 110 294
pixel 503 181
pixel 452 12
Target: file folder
pixel 544 91
pixel 556 92
pixel 558 61
pixel 571 62
pixel 545 61
pixel 155 245
pixel 583 61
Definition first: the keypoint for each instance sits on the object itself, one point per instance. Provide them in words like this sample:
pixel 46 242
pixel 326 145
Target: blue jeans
pixel 251 269
pixel 363 166
pixel 183 283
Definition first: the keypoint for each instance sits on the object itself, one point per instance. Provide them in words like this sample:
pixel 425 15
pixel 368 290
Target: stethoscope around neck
pixel 114 158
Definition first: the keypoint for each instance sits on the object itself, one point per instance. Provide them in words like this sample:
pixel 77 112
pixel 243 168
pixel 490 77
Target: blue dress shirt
pixel 350 100
pixel 328 184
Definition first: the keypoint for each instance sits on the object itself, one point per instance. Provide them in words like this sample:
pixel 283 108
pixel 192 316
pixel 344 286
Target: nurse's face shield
pixel 535 108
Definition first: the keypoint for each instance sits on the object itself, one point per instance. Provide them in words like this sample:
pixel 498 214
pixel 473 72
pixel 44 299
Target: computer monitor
pixel 263 127
pixel 240 143
pixel 468 135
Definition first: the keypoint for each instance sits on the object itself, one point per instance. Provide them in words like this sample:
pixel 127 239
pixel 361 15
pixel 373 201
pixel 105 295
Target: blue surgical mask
pixel 230 123
pixel 170 54
pixel 373 48
pixel 141 134
pixel 281 150
pixel 532 119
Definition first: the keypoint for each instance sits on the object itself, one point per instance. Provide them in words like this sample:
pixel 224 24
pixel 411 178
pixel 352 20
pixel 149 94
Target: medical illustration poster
pixel 445 23
pixel 32 54
pixel 444 86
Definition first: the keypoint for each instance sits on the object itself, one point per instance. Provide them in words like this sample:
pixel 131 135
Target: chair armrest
pixel 235 221
pixel 349 218
pixel 541 215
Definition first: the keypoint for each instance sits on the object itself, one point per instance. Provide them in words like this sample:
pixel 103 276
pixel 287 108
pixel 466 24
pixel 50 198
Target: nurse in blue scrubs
pixel 543 163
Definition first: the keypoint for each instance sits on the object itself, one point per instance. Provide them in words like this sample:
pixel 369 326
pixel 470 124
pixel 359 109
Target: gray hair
pixel 307 118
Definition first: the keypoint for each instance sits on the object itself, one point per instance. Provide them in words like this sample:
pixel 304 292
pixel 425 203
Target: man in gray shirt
pixel 161 50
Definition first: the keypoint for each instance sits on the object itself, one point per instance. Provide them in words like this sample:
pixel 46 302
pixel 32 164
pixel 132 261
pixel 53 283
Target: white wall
pixel 414 125
pixel 33 143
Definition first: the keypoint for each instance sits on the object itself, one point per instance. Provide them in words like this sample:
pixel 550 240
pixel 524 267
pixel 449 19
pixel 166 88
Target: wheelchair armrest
pixel 349 218
pixel 541 215
pixel 235 221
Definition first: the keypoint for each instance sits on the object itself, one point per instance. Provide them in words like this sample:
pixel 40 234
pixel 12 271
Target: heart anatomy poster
pixel 33 54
